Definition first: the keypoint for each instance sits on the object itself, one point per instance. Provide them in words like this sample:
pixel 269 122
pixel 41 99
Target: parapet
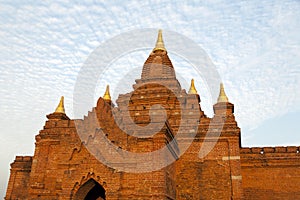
pixel 270 156
pixel 263 150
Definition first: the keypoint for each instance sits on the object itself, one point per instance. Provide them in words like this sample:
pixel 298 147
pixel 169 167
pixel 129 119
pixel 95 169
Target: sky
pixel 254 45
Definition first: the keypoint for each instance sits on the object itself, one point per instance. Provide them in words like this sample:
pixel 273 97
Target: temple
pixel 154 143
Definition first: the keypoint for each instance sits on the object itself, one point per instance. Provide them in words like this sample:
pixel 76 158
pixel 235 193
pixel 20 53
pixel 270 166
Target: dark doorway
pixel 91 190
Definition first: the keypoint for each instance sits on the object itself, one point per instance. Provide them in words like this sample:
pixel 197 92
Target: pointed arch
pixel 90 190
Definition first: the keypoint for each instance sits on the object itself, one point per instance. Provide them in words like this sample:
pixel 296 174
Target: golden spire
pixel 159 43
pixel 192 88
pixel 222 96
pixel 106 95
pixel 60 108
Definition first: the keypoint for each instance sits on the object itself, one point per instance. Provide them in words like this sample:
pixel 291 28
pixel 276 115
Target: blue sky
pixel 255 46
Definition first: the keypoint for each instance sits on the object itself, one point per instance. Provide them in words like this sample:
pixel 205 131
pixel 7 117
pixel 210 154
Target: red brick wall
pixel 271 172
pixel 209 177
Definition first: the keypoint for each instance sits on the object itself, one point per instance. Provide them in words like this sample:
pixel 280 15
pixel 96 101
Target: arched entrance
pixel 90 190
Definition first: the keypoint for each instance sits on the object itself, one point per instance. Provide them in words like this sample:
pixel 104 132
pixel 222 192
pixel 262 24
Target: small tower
pixel 222 96
pixel 192 89
pixel 59 113
pixel 159 43
pixel 223 106
pixel 106 95
pixel 60 107
pixel 158 66
pixel 225 127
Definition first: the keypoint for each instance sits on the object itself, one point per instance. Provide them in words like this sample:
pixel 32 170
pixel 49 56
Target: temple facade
pixel 117 151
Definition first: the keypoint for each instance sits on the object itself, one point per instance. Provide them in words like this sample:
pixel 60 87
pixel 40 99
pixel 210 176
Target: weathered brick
pixel 214 165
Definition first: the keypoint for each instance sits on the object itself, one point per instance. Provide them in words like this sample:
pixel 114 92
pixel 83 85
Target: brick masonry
pixel 63 168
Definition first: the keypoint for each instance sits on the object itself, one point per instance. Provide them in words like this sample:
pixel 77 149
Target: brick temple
pixel 66 163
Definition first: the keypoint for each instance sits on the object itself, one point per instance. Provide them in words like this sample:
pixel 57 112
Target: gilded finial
pixel 222 96
pixel 60 108
pixel 159 43
pixel 192 89
pixel 106 95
